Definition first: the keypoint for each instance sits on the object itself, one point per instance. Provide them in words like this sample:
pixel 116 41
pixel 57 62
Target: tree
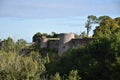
pixel 17 67
pixel 88 27
pixel 20 44
pixel 92 18
pixel 83 34
pixel 37 37
pixel 90 21
pixel 37 40
pixel 118 20
pixel 106 28
pixel 45 34
pixel 77 36
pixel 55 77
pixel 73 75
pixel 54 35
pixel 99 19
pixel 8 45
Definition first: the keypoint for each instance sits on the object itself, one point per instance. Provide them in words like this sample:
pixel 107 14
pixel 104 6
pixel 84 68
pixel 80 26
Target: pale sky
pixel 24 18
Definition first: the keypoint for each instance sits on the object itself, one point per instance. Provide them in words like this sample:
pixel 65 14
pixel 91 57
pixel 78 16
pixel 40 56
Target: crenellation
pixel 65 42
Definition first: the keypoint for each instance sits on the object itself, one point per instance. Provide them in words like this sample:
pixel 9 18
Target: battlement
pixel 65 42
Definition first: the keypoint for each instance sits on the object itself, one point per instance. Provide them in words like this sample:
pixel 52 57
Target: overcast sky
pixel 23 18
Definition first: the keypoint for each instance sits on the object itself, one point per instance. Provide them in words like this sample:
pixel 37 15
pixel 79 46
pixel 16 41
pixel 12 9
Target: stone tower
pixel 64 42
pixel 43 42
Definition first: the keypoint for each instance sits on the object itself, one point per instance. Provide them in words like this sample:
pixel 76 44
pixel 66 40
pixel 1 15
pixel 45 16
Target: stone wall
pixel 65 42
pixel 80 42
pixel 43 42
pixel 53 44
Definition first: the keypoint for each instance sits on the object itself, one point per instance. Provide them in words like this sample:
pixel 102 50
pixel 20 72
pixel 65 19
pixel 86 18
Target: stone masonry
pixel 66 41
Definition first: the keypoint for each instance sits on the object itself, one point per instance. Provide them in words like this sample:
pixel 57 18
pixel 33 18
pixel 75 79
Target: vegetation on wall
pixel 99 60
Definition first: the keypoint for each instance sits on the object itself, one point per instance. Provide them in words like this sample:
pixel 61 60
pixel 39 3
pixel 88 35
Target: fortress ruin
pixel 65 42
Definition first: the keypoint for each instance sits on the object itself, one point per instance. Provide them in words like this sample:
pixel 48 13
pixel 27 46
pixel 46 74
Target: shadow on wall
pixel 66 41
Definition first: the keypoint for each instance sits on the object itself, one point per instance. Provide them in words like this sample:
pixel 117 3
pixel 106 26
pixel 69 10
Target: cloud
pixel 53 8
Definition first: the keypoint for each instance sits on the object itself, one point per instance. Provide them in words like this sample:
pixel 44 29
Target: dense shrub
pixel 16 67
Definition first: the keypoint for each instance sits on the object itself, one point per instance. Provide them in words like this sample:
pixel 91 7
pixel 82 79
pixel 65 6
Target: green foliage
pixel 46 59
pixel 51 53
pixel 91 19
pixel 88 26
pixel 97 20
pixel 55 77
pixel 65 64
pixel 37 37
pixel 97 61
pixel 35 56
pixel 54 35
pixel 83 35
pixel 73 75
pixel 101 18
pixel 8 45
pixel 107 27
pixel 77 36
pixel 118 20
pixel 16 67
pixel 20 44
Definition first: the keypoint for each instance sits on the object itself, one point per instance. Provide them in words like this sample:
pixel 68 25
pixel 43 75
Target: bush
pixel 16 67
